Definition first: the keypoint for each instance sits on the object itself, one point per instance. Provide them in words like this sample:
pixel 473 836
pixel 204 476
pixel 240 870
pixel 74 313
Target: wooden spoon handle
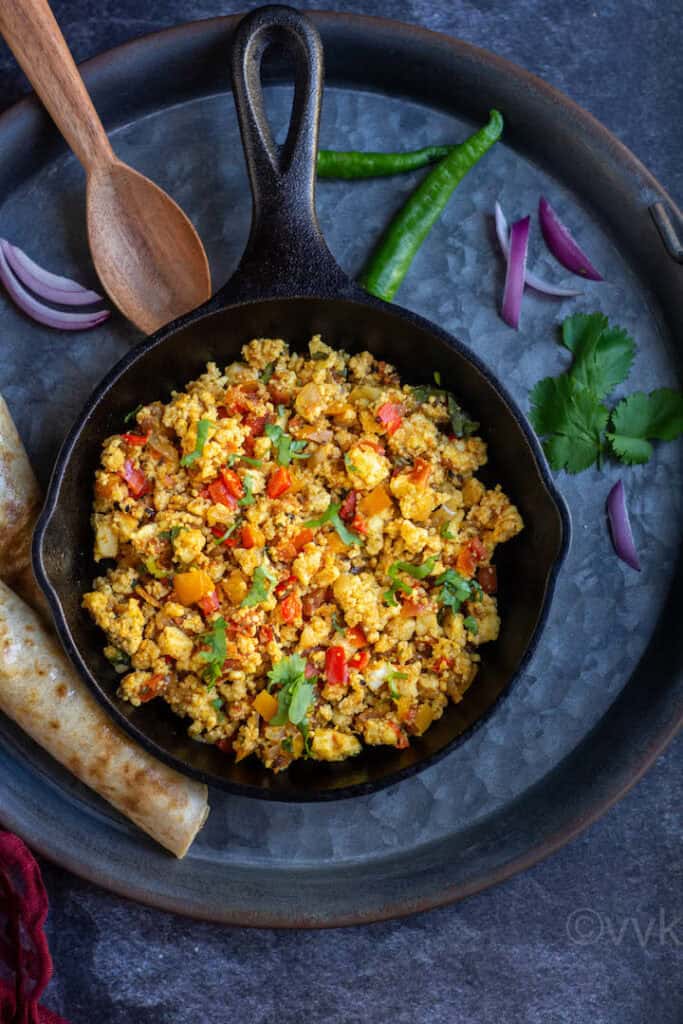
pixel 33 35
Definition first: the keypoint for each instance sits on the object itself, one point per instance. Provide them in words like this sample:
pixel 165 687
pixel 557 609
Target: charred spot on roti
pixel 61 690
pixel 54 724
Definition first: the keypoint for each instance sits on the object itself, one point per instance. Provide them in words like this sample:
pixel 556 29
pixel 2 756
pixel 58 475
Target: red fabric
pixel 25 962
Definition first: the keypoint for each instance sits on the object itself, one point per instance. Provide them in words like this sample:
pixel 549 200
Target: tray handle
pixel 286 254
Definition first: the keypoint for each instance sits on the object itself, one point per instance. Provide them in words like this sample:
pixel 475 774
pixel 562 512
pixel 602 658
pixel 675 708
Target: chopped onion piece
pixel 533 280
pixel 562 245
pixel 516 269
pixel 375 680
pixel 46 285
pixel 43 314
pixel 620 526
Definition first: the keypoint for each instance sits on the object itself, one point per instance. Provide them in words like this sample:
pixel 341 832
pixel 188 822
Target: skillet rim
pixel 53 493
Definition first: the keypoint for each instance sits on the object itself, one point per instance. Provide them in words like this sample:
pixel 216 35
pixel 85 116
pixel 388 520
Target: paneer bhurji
pixel 301 554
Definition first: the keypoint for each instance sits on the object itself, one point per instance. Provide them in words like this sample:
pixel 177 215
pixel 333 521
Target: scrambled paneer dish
pixel 301 554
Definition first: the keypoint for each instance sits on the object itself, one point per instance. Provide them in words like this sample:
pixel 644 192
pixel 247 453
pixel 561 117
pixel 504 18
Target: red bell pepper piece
pixel 290 608
pixel 232 482
pixel 210 603
pixel 284 585
pixel 220 495
pixel 136 439
pixel 248 538
pixel 265 634
pixel 336 669
pixel 279 482
pixel 359 524
pixel 356 636
pixel 138 484
pixel 151 688
pixel 390 415
pixel 360 660
pixel 420 473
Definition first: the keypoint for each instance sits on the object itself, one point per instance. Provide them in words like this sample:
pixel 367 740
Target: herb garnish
pixel 248 498
pixel 229 532
pixel 471 625
pixel 202 435
pixel 336 625
pixel 445 531
pixel 418 572
pixel 251 462
pixel 119 660
pixel 287 448
pixel 349 465
pixel 331 515
pixel 296 693
pixel 215 653
pixel 461 424
pixel 262 581
pixel 454 589
pixel 172 533
pixel 569 413
pixel 267 372
pixel 132 414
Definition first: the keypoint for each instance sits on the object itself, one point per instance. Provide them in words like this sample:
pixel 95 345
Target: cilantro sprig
pixel 248 498
pixel 203 427
pixel 285 446
pixel 296 693
pixel 214 653
pixel 261 584
pixel 331 515
pixel 569 411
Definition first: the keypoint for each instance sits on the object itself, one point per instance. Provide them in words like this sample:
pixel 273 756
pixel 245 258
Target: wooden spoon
pixel 148 256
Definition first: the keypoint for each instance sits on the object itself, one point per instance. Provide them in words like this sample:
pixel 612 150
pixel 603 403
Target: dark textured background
pixel 508 954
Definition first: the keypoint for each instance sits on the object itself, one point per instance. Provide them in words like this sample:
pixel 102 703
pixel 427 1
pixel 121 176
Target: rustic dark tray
pixel 603 693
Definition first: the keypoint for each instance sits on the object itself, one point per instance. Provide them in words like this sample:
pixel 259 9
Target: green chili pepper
pixel 391 260
pixel 351 165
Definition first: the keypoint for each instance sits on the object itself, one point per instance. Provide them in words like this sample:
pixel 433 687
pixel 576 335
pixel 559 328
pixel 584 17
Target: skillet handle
pixel 286 254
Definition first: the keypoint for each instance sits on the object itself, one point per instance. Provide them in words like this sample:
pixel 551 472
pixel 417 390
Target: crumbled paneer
pixel 297 534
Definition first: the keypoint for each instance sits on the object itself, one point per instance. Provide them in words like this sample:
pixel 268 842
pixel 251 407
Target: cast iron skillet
pixel 289 285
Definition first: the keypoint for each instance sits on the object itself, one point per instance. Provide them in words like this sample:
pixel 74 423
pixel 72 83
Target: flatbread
pixel 42 693
pixel 20 500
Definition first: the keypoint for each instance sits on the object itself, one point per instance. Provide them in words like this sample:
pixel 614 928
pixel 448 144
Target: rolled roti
pixel 20 501
pixel 41 692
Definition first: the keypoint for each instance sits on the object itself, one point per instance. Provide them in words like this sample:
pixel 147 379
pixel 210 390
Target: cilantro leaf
pixel 215 653
pixel 349 465
pixel 573 417
pixel 202 435
pixel 172 533
pixel 287 671
pixel 296 693
pixel 261 583
pixel 418 572
pixel 641 417
pixel 603 355
pixel 471 625
pixel 287 448
pixel 461 425
pixel 229 532
pixel 454 589
pixel 248 498
pixel 251 462
pixel 331 515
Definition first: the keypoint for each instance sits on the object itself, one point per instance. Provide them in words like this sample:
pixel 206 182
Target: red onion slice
pixel 46 285
pixel 43 314
pixel 562 245
pixel 620 527
pixel 515 272
pixel 533 280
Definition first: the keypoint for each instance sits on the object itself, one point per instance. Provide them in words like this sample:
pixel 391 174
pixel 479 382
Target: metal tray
pixel 603 693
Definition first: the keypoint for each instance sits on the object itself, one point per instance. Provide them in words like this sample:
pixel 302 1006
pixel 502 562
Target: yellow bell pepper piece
pixel 190 587
pixel 375 502
pixel 265 704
